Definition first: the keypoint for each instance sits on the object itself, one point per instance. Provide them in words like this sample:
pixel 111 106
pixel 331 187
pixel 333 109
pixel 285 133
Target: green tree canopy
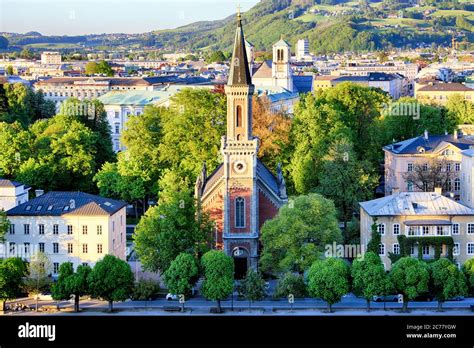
pixel 468 270
pixel 111 279
pixel 329 280
pixel 297 236
pixel 218 276
pixel 71 283
pixel 410 277
pixel 447 281
pixel 12 271
pixel 252 286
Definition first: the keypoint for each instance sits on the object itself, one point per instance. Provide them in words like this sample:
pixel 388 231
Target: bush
pixel 291 283
pixel 145 290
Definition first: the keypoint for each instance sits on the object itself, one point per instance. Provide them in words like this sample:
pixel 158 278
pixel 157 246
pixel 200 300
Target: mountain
pixel 330 26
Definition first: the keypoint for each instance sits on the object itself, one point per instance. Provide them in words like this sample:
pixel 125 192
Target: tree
pixel 430 175
pixel 71 283
pixel 38 280
pixel 252 286
pixel 376 239
pixel 272 129
pixel 297 236
pixel 111 279
pixel 468 270
pixel 447 281
pixel 4 225
pixel 12 271
pixel 171 228
pixel 216 56
pixel 291 284
pixel 460 109
pixel 410 278
pixel 102 67
pixel 9 70
pixel 16 148
pixel 192 132
pixel 181 276
pixel 369 277
pixel 218 276
pixel 329 280
pixel 26 53
pixel 355 183
pixel 145 289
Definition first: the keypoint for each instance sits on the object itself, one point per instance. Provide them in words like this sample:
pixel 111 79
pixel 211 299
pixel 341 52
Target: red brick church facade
pixel 241 194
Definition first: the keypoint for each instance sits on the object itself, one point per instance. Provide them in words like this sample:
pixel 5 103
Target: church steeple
pixel 239 70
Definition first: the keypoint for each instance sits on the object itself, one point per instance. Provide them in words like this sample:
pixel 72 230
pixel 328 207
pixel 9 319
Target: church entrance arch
pixel 241 262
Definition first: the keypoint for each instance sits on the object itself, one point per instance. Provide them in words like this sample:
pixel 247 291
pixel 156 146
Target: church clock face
pixel 239 166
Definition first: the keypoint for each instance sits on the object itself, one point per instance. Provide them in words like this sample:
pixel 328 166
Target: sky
pixel 78 17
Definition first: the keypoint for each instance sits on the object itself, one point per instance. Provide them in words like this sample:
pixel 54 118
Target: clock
pixel 240 166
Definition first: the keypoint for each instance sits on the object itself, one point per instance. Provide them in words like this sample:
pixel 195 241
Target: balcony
pixel 428 228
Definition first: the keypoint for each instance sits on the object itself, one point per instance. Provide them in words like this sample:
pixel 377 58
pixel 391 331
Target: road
pixel 199 305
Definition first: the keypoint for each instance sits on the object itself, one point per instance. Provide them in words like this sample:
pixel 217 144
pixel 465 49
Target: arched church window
pixel 239 116
pixel 239 212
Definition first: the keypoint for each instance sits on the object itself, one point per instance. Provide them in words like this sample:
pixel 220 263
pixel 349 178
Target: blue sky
pixel 76 17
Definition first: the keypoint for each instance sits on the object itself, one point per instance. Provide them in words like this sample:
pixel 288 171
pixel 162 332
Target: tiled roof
pixel 213 178
pixel 264 71
pixel 239 74
pixel 412 146
pixel 448 87
pixel 9 183
pixel 415 203
pixel 67 203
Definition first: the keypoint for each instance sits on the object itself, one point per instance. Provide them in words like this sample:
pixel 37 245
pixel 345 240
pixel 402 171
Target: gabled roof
pixel 412 146
pixel 415 203
pixel 9 183
pixel 264 71
pixel 281 42
pixel 67 203
pixel 445 87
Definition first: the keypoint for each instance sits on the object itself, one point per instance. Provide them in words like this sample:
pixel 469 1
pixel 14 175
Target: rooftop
pixel 67 203
pixel 9 183
pixel 414 145
pixel 445 87
pixel 415 203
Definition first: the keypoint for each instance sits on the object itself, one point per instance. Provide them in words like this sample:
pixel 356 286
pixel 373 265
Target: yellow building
pixel 439 93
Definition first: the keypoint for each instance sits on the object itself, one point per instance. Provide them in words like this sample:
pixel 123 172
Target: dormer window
pixel 28 208
pixel 39 207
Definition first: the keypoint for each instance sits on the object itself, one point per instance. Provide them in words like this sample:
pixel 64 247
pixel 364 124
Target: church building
pixel 242 193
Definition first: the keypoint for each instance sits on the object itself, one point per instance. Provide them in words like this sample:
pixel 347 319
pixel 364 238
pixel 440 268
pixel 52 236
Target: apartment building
pixel 69 227
pixel 12 193
pixel 439 93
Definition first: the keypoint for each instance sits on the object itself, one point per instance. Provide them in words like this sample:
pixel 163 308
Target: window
pixel 381 229
pixel 56 248
pixel 99 248
pixel 449 185
pixel 41 247
pixel 239 212
pixel 456 249
pixel 99 230
pixel 455 229
pixel 412 249
pixel 410 186
pixel 84 248
pixel 40 229
pixel 55 229
pixel 425 187
pixel 27 248
pixel 69 229
pixel 425 167
pixel 12 247
pixel 426 230
pixel 381 249
pixel 238 113
pixel 84 229
pixel 85 264
pixel 470 228
pixel 26 229
pixel 116 114
pixel 457 167
pixel 55 268
pixel 470 248
pixel 448 167
pixel 396 249
pixel 12 229
pixel 117 128
pixel 457 184
pixel 69 248
pixel 410 167
pixel 439 230
pixel 425 249
pixel 396 229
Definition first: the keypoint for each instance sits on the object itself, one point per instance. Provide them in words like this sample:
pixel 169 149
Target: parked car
pixel 175 297
pixel 386 298
pixel 424 298
pixel 456 298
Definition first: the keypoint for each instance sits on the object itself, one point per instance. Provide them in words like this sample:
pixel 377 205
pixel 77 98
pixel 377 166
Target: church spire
pixel 239 70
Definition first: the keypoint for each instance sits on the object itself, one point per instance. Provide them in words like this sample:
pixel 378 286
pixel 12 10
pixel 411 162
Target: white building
pixel 302 51
pixel 12 194
pixel 69 227
pixel 48 58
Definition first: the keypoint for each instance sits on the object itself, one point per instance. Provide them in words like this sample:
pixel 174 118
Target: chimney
pixel 39 193
pixel 455 135
pixel 426 134
pixel 438 190
pixel 395 191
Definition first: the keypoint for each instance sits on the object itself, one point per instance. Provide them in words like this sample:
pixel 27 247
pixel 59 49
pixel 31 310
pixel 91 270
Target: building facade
pixel 12 194
pixel 68 227
pixel 418 215
pixel 241 194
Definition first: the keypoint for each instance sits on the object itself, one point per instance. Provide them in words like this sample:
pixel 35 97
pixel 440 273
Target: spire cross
pixel 239 13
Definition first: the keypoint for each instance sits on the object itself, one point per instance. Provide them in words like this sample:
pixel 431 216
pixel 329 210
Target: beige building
pixel 69 227
pixel 403 157
pixel 439 93
pixel 51 58
pixel 418 215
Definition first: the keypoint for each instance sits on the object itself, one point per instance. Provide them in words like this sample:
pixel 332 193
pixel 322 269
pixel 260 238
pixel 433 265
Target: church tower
pixel 242 193
pixel 281 69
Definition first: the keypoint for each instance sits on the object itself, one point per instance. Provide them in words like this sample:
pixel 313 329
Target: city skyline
pixel 74 17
